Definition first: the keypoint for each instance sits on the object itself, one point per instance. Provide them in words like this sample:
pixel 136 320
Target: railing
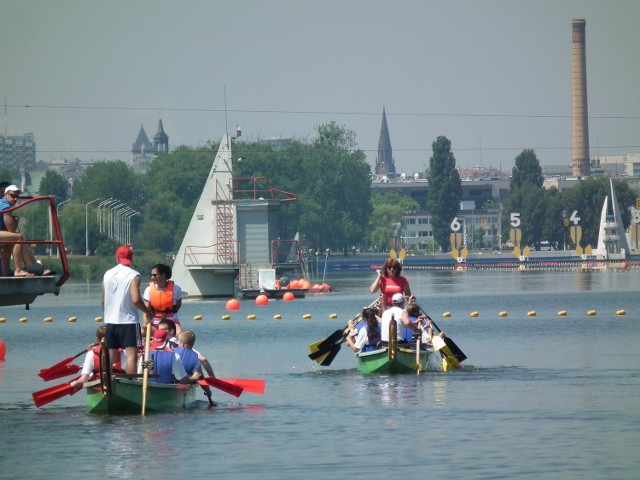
pixel 56 233
pixel 201 256
pixel 258 188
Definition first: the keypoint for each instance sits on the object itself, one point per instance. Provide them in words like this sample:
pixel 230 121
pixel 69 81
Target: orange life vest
pixel 117 366
pixel 161 300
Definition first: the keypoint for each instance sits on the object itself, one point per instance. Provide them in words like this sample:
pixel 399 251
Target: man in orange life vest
pixel 163 297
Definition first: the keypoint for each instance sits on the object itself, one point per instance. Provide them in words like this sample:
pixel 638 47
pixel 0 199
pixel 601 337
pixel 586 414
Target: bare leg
pixel 132 360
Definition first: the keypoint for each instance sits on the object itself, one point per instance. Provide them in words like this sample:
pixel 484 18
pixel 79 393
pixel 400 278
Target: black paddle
pixel 324 351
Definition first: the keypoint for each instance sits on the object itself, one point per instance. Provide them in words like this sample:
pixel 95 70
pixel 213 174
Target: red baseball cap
pixel 124 254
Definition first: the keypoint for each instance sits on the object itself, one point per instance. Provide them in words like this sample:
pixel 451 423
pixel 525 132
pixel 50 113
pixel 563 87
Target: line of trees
pixel 332 180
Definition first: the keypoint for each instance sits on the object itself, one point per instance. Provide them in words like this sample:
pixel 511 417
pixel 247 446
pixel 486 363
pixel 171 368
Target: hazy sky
pixel 494 76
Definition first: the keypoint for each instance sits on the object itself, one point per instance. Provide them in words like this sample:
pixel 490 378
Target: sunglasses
pixel 153 275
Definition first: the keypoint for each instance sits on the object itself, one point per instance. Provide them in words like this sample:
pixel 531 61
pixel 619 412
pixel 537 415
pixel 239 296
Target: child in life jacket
pixel 91 364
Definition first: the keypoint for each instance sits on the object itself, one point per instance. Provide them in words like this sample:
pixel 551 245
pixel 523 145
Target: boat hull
pixel 126 397
pixel 404 361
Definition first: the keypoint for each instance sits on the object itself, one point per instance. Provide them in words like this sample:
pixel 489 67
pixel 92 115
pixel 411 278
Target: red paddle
pixel 61 363
pixel 63 371
pixel 48 395
pixel 226 387
pixel 248 384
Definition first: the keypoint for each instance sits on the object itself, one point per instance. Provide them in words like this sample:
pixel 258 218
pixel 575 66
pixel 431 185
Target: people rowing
pixel 168 365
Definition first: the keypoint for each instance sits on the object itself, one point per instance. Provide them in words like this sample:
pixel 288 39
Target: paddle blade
pixel 226 387
pixel 48 395
pixel 62 371
pixel 247 384
pixel 332 354
pixel 457 353
pixel 61 363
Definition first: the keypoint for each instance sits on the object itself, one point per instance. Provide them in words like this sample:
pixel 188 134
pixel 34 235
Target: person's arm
pixel 10 222
pixel 406 289
pixel 408 323
pixel 136 298
pixel 352 343
pixel 206 365
pixel 79 382
pixel 177 306
pixel 375 286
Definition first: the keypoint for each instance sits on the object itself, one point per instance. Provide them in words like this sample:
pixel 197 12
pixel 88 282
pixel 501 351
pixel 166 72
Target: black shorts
pixel 123 336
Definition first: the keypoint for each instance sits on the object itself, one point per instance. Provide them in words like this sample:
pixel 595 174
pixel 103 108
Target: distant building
pixel 385 166
pixel 161 140
pixel 18 152
pixel 142 150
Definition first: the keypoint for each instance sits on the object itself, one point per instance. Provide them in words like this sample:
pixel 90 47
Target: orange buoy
pixel 3 349
pixel 262 300
pixel 233 304
pixel 288 297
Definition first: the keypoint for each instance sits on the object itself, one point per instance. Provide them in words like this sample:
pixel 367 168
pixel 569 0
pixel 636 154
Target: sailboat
pixel 612 239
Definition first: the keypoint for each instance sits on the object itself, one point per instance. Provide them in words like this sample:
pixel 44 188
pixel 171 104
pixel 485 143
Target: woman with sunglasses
pixel 389 281
pixel 163 297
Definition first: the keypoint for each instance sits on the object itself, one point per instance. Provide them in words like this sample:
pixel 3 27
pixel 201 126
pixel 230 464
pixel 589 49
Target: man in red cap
pixel 121 301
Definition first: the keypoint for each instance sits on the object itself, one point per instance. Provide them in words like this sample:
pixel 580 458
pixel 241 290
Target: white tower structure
pixel 612 239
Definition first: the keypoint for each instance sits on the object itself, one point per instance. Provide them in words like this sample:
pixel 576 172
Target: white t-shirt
pixel 396 313
pixel 361 338
pixel 118 306
pixel 87 365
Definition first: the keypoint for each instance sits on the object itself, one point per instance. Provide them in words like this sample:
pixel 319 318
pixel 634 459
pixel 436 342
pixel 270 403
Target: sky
pixel 493 76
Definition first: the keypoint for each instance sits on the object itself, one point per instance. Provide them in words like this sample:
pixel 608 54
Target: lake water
pixel 540 397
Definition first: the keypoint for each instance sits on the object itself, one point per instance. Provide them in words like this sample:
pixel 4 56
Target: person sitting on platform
pixel 166 363
pixel 22 254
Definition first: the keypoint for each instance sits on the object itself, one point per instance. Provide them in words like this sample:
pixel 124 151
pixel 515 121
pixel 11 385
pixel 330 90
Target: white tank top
pixel 118 307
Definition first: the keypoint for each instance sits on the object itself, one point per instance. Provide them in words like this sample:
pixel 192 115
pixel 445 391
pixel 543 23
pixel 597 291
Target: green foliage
pixel 445 191
pixel 54 184
pixel 527 170
pixel 330 179
pixel 388 208
pixel 9 175
pixel 110 180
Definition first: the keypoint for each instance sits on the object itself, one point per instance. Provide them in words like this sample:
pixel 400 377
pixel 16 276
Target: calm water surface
pixel 540 397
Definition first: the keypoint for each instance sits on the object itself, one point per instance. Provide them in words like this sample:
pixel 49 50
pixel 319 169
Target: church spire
pixel 160 140
pixel 384 162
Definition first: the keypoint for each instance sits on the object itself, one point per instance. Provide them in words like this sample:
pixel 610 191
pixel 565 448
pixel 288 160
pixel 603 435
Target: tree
pixel 526 199
pixel 110 180
pixel 527 169
pixel 54 184
pixel 330 177
pixel 445 190
pixel 388 208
